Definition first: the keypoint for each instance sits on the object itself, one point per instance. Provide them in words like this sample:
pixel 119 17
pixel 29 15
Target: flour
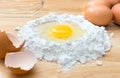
pixel 91 46
pixel 99 63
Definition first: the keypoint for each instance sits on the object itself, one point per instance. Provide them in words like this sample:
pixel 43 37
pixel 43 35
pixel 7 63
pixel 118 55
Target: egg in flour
pixel 59 32
pixel 81 40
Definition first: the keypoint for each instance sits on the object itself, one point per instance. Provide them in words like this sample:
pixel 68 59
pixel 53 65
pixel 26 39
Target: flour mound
pixel 91 46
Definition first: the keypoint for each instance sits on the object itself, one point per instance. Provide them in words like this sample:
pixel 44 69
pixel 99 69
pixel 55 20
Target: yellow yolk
pixel 60 31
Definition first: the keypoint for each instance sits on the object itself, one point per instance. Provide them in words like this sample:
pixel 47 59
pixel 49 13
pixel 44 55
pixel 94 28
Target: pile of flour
pixel 92 45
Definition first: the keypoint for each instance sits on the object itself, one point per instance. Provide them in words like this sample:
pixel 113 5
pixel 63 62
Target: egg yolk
pixel 60 31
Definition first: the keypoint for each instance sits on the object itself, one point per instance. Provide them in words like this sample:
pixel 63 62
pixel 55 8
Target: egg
pixel 98 15
pixel 113 2
pixel 9 43
pixel 20 62
pixel 116 13
pixel 97 2
pixel 59 32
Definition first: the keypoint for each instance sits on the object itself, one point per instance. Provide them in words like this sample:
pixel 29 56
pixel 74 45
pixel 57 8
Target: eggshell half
pixel 9 43
pixel 20 62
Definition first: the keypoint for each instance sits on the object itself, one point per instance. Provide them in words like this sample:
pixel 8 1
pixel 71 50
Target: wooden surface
pixel 111 60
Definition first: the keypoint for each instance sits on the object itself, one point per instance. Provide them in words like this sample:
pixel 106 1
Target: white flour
pixel 92 45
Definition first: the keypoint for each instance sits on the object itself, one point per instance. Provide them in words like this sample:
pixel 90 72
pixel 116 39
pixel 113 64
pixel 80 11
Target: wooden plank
pixel 111 61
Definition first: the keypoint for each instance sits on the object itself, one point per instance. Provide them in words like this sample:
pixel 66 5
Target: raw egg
pixel 99 15
pixel 116 13
pixel 20 62
pixel 59 32
pixel 9 43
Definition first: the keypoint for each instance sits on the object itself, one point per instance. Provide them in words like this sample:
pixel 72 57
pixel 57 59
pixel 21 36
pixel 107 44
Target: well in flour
pixel 93 44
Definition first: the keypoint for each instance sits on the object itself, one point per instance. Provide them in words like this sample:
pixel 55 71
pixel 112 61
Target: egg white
pixel 43 30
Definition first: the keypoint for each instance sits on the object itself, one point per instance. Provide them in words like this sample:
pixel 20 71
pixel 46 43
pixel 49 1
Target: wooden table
pixel 111 60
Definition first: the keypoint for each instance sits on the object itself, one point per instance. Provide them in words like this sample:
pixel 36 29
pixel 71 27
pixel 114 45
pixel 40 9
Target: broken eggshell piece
pixel 9 43
pixel 20 62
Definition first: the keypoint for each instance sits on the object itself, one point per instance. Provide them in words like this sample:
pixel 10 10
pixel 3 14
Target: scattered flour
pixel 17 28
pixel 99 63
pixel 91 46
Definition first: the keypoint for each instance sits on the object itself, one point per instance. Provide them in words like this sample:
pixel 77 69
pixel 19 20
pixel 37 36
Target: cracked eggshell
pixel 9 43
pixel 20 62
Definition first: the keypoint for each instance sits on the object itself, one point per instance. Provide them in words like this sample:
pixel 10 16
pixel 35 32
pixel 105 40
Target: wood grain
pixel 111 60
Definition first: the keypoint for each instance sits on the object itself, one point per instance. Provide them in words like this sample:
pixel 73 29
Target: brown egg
pixel 9 43
pixel 20 62
pixel 97 2
pixel 98 15
pixel 116 13
pixel 113 2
